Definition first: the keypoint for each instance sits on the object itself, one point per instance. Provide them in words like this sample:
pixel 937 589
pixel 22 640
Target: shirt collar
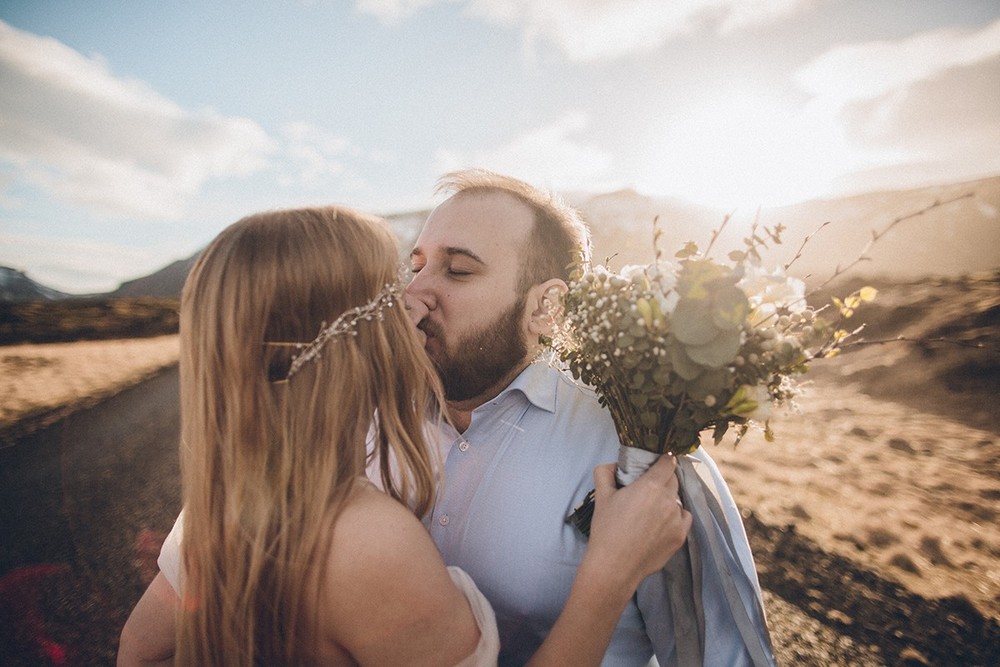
pixel 538 383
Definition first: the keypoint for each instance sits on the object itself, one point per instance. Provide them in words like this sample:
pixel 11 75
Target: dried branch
pixel 798 253
pixel 718 232
pixel 920 341
pixel 876 235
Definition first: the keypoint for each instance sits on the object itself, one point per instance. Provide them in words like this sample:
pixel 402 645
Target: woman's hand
pixel 633 533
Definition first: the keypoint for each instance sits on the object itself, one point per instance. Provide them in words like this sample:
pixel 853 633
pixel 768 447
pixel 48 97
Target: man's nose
pixel 421 290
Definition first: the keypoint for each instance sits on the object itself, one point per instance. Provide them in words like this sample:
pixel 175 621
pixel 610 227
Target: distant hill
pixel 406 227
pixel 950 240
pixel 16 287
pixel 167 282
pixel 87 318
pixel 952 360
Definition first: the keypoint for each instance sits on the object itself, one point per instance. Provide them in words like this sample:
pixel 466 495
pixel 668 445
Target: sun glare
pixel 744 152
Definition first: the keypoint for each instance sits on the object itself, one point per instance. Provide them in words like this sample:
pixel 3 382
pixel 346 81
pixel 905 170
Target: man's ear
pixel 544 305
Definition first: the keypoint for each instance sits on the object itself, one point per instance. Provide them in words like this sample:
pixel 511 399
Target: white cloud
pixel 738 14
pixel 552 156
pixel 114 145
pixel 923 109
pixel 316 160
pixel 864 71
pixel 313 155
pixel 596 29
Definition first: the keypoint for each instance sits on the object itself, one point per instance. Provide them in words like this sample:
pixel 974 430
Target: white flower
pixel 768 291
pixel 633 271
pixel 759 395
pixel 751 402
pixel 667 302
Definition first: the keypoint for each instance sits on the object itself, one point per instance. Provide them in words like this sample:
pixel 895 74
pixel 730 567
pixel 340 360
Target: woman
pixel 290 556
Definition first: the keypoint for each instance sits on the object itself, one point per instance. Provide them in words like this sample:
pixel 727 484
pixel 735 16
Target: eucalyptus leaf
pixel 684 367
pixel 729 308
pixel 695 277
pixel 718 352
pixel 693 321
pixel 711 382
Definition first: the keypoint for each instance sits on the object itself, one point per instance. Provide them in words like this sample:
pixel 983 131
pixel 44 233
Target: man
pixel 488 264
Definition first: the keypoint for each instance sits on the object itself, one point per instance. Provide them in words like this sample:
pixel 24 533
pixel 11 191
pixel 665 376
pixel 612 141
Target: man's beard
pixel 482 358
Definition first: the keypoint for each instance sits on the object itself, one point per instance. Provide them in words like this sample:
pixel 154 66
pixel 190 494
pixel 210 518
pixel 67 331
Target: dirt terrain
pixel 884 479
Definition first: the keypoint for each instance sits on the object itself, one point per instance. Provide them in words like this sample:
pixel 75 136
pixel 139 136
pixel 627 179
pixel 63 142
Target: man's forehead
pixel 485 225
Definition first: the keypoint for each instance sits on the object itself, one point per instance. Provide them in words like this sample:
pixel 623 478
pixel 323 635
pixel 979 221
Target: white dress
pixel 489 640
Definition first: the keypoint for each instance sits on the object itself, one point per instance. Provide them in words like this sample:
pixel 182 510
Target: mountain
pixel 15 286
pixel 406 226
pixel 167 282
pixel 952 239
pixel 949 239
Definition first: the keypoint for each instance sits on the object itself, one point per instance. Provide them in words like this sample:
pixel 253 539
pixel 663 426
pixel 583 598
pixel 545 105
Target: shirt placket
pixel 468 460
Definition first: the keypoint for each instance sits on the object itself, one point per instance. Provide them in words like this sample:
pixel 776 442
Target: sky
pixel 132 132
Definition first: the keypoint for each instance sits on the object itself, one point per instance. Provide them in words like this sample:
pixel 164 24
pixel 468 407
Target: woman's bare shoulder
pixel 386 585
pixel 375 524
pixel 379 545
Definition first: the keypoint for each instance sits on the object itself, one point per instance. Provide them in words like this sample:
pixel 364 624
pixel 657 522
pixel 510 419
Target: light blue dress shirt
pixel 509 482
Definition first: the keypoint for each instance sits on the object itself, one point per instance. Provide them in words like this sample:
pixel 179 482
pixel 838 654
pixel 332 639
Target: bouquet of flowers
pixel 674 349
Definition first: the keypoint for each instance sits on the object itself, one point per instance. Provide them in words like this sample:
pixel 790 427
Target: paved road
pixel 81 503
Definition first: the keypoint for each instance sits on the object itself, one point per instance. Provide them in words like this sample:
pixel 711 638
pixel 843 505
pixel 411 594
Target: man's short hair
pixel 559 240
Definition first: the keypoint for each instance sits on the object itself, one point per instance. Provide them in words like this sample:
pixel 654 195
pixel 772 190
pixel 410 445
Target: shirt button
pixel 444 520
pixel 463 445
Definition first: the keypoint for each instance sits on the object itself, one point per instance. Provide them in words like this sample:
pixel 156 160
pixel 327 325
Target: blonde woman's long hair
pixel 268 464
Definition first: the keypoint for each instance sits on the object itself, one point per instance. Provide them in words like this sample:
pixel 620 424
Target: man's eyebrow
pixel 451 251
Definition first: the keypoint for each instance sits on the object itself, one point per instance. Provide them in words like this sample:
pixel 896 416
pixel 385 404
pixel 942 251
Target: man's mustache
pixel 429 327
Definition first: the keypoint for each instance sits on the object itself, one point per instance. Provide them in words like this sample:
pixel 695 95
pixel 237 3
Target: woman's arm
pixel 634 532
pixel 148 637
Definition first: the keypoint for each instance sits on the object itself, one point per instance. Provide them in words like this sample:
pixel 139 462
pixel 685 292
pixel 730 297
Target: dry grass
pixel 40 382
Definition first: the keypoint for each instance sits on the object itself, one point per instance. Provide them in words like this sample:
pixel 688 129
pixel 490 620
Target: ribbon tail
pixel 703 506
pixel 684 579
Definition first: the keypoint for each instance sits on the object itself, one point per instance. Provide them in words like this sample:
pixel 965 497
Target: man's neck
pixel 460 412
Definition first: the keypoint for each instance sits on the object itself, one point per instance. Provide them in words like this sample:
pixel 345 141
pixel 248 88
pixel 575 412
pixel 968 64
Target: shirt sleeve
pixel 170 555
